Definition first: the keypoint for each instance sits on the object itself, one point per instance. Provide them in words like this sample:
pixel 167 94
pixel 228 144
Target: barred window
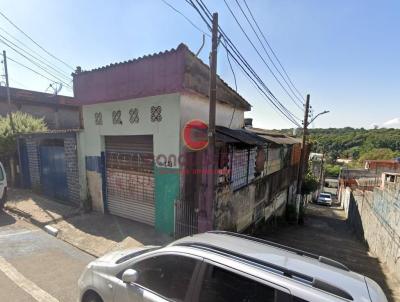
pixel 243 162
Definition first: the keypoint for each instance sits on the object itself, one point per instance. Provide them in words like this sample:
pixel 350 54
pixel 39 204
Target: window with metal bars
pixel 243 162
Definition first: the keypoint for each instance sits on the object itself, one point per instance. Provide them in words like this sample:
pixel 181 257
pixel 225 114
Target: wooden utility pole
pixel 8 91
pixel 12 166
pixel 210 172
pixel 303 159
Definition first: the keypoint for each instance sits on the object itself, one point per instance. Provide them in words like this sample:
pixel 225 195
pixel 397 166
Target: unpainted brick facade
pixel 33 142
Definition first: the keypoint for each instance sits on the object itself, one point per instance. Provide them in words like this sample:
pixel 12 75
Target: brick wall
pixel 71 161
pixel 34 163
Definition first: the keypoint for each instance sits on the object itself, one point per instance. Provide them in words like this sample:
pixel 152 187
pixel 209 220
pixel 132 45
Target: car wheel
pixel 91 296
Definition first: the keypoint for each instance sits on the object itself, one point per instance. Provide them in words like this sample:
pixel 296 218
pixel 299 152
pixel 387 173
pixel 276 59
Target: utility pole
pixel 303 160
pixel 12 166
pixel 8 91
pixel 207 214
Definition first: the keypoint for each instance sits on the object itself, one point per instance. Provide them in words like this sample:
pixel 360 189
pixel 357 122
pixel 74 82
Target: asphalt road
pixel 34 266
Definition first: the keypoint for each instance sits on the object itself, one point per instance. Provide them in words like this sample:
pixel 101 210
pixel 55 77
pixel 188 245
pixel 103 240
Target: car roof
pixel 294 261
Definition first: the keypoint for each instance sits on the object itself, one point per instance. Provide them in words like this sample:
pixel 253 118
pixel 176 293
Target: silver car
pixel 325 198
pixel 221 266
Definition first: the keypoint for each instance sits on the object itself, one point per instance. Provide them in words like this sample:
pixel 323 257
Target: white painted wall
pixel 197 107
pixel 165 133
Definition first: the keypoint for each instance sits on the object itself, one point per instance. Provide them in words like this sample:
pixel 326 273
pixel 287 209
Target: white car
pixel 222 266
pixel 3 186
pixel 325 198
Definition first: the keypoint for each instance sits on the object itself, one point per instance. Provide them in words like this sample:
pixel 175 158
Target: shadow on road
pixel 325 232
pixel 6 219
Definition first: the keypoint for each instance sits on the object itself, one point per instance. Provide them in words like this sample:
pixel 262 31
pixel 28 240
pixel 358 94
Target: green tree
pixel 332 170
pixel 310 184
pixel 378 153
pixel 23 123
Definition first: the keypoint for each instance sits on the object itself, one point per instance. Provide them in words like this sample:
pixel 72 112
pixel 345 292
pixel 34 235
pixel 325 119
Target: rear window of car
pixel 325 195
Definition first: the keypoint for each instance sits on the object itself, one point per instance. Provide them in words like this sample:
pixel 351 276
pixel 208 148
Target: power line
pixel 242 59
pixel 35 58
pixel 37 44
pixel 32 50
pixel 269 57
pixel 273 52
pixel 259 54
pixel 265 91
pixel 33 62
pixel 187 19
pixel 34 71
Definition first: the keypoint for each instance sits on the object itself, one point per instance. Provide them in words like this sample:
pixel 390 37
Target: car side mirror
pixel 130 276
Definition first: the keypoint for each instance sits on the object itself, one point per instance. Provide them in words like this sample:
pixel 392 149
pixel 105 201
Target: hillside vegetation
pixel 357 144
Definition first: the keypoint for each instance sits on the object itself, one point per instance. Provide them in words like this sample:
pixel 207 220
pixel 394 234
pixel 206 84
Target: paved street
pixel 35 266
pixel 325 232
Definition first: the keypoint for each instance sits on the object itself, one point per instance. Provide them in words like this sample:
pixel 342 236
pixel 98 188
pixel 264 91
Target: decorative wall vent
pixel 116 117
pixel 156 114
pixel 98 118
pixel 134 116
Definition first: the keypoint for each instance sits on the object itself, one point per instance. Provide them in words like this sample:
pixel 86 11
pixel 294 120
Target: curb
pixel 47 227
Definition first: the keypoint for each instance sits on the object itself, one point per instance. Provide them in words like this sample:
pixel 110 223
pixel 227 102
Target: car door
pixel 161 277
pixel 217 283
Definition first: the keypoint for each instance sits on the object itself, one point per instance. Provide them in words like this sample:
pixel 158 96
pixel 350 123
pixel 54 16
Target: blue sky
pixel 344 53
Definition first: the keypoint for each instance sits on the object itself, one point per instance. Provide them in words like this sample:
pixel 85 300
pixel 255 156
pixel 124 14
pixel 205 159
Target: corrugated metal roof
pixel 241 135
pixel 274 137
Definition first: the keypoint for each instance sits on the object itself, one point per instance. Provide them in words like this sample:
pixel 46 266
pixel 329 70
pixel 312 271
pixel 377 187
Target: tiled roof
pixel 118 64
pixel 175 70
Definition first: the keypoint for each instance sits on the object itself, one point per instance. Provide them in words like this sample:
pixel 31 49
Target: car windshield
pixel 325 195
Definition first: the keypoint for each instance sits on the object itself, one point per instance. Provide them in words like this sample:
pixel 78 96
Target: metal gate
pixel 186 209
pixel 186 219
pixel 130 177
pixel 53 176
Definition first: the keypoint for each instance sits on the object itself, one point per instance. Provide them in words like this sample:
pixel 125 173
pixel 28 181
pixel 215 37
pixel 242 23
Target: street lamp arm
pixel 321 113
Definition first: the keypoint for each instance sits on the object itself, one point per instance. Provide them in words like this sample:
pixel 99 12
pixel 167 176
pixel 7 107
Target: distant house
pixel 379 166
pixel 58 111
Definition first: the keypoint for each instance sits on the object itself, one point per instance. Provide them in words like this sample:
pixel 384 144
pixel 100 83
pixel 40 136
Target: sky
pixel 345 54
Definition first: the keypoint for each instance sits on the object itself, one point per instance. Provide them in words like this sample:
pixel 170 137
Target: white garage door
pixel 130 177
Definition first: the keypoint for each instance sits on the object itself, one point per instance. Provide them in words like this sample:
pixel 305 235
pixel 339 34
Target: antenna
pixel 56 87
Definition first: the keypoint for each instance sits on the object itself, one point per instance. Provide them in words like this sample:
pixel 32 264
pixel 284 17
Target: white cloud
pixel 393 122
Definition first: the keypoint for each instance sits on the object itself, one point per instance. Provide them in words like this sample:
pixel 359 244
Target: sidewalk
pixel 94 233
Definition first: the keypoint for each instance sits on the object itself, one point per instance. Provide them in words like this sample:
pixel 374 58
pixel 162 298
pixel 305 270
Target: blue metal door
pixel 53 172
pixel 26 177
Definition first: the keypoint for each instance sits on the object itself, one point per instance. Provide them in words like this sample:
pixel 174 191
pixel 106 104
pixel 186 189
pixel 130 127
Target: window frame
pixel 192 283
pixel 207 263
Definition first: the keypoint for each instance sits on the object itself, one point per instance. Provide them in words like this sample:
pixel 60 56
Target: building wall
pixel 76 184
pixel 265 197
pixel 375 217
pixel 34 163
pixel 166 140
pixel 197 107
pixel 56 117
